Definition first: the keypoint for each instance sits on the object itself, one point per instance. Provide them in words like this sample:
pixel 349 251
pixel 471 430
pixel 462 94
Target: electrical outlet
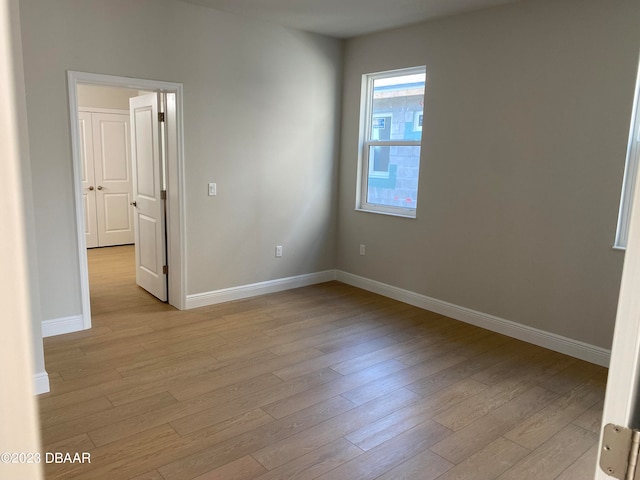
pixel 279 251
pixel 361 249
pixel 213 189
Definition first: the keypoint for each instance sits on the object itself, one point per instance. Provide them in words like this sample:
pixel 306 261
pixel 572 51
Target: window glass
pixel 396 101
pixel 395 184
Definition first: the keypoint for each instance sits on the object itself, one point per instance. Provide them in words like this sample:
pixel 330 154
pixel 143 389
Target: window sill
pixel 391 214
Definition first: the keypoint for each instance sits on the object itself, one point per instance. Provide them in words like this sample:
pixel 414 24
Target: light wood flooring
pixel 324 382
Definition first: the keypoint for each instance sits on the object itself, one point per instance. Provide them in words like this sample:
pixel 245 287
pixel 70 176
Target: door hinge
pixel 163 194
pixel 161 116
pixel 165 269
pixel 619 456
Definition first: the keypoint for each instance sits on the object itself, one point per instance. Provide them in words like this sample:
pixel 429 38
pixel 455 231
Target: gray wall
pixel 261 110
pixel 527 112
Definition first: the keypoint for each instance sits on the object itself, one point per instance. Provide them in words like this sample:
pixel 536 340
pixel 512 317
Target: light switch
pixel 212 189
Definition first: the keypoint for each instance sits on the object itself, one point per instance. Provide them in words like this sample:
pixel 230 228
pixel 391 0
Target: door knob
pixel 91 187
pixel 135 204
pixel 100 187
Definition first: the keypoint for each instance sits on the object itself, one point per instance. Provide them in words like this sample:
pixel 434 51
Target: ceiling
pixel 347 18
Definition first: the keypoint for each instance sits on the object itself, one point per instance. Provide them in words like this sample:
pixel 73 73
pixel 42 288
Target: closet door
pixel 112 160
pixel 88 179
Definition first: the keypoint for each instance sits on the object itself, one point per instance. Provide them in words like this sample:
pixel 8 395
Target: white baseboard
pixel 552 341
pixel 558 343
pixel 255 289
pixel 58 326
pixel 41 383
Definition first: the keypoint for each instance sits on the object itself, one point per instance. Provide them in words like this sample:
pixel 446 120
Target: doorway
pixel 174 180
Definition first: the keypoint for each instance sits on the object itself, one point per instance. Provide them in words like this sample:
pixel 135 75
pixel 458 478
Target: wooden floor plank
pixel 339 386
pixel 151 475
pixel 379 460
pixel 392 382
pixel 591 419
pixel 426 465
pixel 263 397
pixel 542 425
pixel 554 456
pixel 237 447
pixel 315 463
pixel 280 452
pixel 244 468
pixel 583 467
pixel 106 417
pixel 465 442
pixel 489 462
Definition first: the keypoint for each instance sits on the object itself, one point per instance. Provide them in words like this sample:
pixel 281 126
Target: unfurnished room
pixel 320 239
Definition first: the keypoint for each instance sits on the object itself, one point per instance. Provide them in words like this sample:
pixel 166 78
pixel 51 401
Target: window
pixel 630 174
pixel 391 132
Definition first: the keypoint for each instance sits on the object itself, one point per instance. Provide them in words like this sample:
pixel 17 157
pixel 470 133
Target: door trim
pixel 176 253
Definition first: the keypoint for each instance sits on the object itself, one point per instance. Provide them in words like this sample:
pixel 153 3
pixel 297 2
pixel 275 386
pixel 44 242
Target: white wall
pixel 260 119
pixel 16 74
pixel 527 114
pixel 18 414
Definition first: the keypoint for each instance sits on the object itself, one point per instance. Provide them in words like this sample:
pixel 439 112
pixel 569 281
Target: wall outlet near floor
pixel 361 249
pixel 279 251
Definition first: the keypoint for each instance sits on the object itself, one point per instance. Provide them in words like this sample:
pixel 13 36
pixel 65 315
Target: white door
pixel 149 214
pixel 621 405
pixel 113 184
pixel 88 178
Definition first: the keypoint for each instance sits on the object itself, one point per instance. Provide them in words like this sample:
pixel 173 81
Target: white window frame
pixel 366 106
pixel 630 174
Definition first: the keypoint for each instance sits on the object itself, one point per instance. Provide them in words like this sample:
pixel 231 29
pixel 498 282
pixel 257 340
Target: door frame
pixel 175 224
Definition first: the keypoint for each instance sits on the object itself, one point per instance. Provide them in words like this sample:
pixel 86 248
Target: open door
pixel 622 398
pixel 622 405
pixel 148 194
